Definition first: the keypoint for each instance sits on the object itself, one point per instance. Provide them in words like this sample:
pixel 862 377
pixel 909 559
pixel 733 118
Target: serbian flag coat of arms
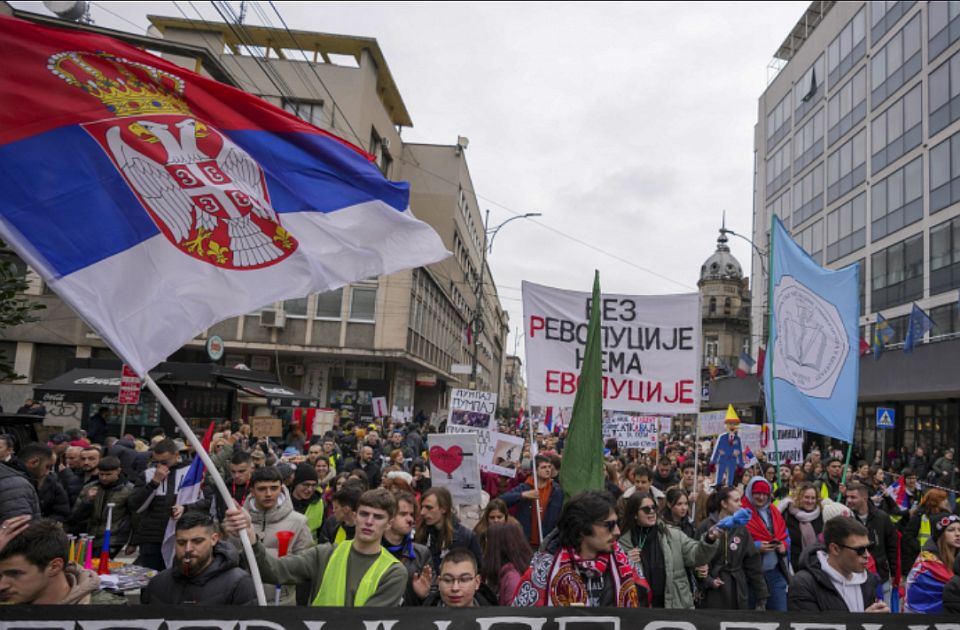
pixel 157 202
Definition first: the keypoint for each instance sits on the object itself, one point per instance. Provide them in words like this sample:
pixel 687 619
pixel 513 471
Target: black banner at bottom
pixel 304 618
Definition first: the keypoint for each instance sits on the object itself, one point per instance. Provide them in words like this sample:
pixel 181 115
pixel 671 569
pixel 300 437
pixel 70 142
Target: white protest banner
pixel 651 349
pixel 505 452
pixel 711 422
pixel 455 466
pixel 631 431
pixel 666 425
pixel 379 404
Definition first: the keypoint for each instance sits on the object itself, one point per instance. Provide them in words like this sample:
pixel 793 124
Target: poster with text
pixel 650 354
pixel 455 466
pixel 505 452
pixel 472 409
pixel 631 431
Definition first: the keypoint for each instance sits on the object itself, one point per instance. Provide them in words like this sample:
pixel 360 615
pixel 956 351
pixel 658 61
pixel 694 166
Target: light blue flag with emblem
pixel 813 361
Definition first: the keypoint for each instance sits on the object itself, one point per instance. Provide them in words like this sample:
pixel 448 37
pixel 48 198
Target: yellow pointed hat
pixel 732 417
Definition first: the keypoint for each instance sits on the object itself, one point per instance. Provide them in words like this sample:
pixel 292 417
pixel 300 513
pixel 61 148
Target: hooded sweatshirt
pixel 849 589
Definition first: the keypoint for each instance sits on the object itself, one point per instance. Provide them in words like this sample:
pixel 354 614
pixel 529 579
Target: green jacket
pixel 308 566
pixel 680 552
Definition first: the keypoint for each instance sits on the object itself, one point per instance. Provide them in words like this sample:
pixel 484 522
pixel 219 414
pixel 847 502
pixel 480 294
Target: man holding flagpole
pixel 155 499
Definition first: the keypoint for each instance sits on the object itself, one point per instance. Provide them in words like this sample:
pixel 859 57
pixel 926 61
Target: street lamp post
pixel 477 323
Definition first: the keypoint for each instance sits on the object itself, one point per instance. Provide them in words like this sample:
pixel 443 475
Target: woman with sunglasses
pixel 662 554
pixel 735 569
pixel 934 566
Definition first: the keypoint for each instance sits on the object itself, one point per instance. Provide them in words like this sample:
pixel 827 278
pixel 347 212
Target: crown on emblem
pixel 126 88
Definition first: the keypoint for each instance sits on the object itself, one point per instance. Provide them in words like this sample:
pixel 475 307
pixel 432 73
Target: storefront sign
pixel 129 386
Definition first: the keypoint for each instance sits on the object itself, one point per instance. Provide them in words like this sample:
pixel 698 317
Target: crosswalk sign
pixel 885 417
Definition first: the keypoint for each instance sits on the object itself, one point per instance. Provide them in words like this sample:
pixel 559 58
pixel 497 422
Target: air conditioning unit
pixel 272 318
pixel 293 370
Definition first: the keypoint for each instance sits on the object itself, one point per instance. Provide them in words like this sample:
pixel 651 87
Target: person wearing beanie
pixel 933 568
pixel 307 500
pixel 770 535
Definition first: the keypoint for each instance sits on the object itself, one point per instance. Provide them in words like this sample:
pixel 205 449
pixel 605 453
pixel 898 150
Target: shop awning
pixel 275 394
pixel 84 385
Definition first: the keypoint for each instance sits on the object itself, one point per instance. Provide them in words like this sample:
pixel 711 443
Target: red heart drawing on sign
pixel 446 459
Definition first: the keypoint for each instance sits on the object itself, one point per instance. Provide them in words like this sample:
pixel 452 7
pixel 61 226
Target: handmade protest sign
pixel 454 465
pixel 651 349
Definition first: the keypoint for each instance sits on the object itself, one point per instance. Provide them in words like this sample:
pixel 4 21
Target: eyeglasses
pixel 610 525
pixel 463 580
pixel 860 551
pixel 648 509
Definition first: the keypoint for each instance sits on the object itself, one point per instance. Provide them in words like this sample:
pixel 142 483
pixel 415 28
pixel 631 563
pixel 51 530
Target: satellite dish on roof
pixel 68 10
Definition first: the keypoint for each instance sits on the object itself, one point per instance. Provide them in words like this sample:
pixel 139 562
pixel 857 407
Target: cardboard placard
pixel 266 426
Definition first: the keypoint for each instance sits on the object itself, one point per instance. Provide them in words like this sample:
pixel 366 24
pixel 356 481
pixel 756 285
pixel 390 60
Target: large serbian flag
pixel 157 202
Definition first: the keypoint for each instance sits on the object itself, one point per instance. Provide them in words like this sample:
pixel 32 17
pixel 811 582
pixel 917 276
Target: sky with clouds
pixel 628 126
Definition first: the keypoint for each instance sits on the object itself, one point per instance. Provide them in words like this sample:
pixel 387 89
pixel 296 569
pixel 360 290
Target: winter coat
pixel 463 538
pixel 525 507
pixel 127 454
pixel 883 535
pixel 150 503
pixel 951 592
pixel 508 580
pixel 413 559
pixel 910 543
pixel 281 517
pixel 222 583
pixel 72 481
pixel 17 494
pixel 680 552
pixel 812 590
pixel 371 469
pixel 796 538
pixel 90 516
pixel 737 564
pixel 54 502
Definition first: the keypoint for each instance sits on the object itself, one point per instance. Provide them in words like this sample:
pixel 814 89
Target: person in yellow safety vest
pixel 355 573
pixel 918 529
pixel 307 500
pixel 830 486
pixel 342 524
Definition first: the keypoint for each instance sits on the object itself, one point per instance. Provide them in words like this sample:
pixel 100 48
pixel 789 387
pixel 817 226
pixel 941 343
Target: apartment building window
pixel 885 14
pixel 781 207
pixel 778 169
pixel 310 111
pixel 897 200
pixel 847 48
pixel 778 123
pixel 847 228
pixel 945 257
pixel 363 302
pixel 943 26
pixel 808 91
pixel 378 147
pixel 808 195
pixel 811 240
pixel 896 63
pixel 944 83
pixel 945 174
pixel 808 142
pixel 847 107
pixel 329 304
pixel 946 320
pixel 897 273
pixel 897 130
pixel 296 308
pixel 847 167
pixel 50 361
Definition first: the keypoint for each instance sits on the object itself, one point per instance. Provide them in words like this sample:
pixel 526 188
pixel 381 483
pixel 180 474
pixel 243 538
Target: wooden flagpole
pixel 217 479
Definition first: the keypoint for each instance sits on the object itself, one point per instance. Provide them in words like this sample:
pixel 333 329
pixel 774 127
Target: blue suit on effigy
pixel 727 456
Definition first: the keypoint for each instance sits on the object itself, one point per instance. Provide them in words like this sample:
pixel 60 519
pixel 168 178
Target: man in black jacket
pixel 883 534
pixel 834 576
pixel 153 503
pixel 398 540
pixel 205 572
pixel 35 460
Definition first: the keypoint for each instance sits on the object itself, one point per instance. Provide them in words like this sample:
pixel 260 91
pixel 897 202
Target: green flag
pixel 582 467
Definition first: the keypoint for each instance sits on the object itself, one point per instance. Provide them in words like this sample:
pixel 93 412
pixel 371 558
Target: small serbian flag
pixel 745 365
pixel 749 459
pixel 157 202
pixel 898 492
pixel 548 419
pixel 520 418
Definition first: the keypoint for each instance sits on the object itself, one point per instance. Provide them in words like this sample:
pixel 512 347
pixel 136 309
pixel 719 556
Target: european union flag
pixel 813 372
pixel 919 325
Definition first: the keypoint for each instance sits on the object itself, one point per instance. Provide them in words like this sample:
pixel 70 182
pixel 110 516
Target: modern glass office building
pixel 857 150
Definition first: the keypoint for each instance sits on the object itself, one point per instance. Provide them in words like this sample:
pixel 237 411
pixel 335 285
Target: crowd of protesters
pixel 364 526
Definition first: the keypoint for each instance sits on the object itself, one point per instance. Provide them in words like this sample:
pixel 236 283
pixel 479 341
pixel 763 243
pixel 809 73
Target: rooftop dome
pixel 721 265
